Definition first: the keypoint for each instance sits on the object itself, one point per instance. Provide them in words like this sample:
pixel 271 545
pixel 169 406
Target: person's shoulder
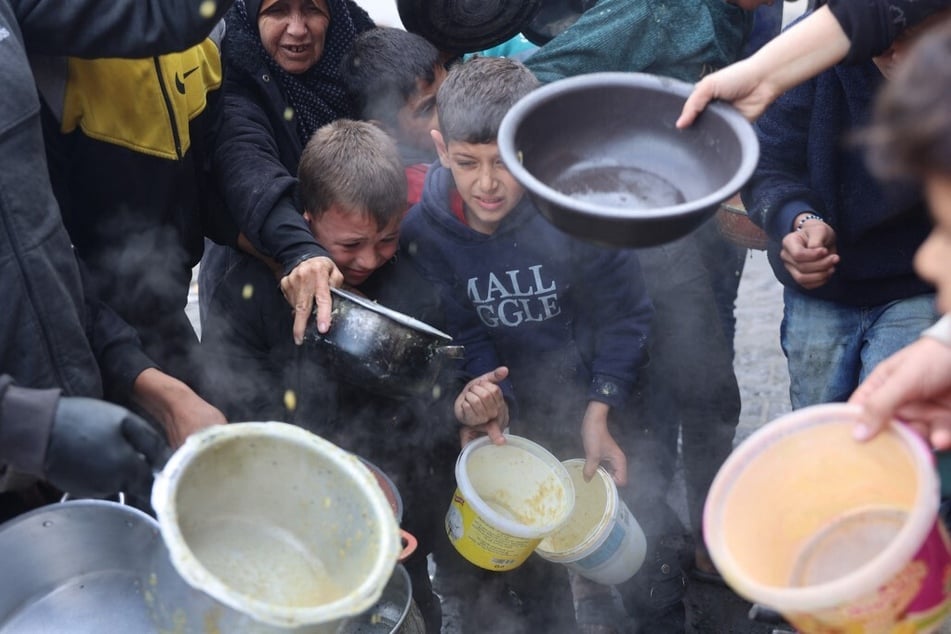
pixel 239 50
pixel 422 219
pixel 412 224
pixel 402 286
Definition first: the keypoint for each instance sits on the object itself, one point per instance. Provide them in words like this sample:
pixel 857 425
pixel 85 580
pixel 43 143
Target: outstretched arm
pixel 599 444
pixel 799 53
pixel 122 28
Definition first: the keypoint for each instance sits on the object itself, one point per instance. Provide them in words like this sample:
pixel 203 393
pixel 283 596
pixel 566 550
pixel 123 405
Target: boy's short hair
pixel 381 68
pixel 476 95
pixel 911 132
pixel 356 165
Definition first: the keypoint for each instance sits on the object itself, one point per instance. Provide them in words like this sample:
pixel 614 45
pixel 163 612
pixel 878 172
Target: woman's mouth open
pixel 296 49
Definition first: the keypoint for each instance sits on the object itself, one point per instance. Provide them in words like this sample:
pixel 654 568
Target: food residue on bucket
pixel 265 562
pixel 543 507
pixel 589 510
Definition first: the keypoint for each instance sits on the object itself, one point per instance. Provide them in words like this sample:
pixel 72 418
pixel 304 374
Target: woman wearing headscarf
pixel 281 60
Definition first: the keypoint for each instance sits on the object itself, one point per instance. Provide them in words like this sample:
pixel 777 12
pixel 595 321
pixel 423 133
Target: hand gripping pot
pixel 282 528
pixel 837 535
pixel 508 498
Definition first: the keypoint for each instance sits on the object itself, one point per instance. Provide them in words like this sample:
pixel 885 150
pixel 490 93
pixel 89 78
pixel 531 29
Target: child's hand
pixel 599 445
pixel 913 385
pixel 308 283
pixel 481 407
pixel 809 253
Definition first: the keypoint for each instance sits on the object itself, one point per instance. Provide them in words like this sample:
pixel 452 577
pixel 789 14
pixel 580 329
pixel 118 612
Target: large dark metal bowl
pixel 602 160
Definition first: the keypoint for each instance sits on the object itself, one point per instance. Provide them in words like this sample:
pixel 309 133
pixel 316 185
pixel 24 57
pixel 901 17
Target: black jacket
pixel 48 333
pixel 872 25
pixel 129 146
pixel 259 148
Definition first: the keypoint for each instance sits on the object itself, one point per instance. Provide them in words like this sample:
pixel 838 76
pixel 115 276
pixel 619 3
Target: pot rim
pixel 164 494
pixel 401 318
pixel 526 106
pixel 858 583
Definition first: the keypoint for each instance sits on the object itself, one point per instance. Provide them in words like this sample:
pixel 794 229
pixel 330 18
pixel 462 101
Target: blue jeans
pixel 830 347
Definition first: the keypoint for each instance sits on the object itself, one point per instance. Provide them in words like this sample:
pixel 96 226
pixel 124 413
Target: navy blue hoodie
pixel 566 317
pixel 807 163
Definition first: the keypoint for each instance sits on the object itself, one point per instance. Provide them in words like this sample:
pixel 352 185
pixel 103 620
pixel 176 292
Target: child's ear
pixel 441 148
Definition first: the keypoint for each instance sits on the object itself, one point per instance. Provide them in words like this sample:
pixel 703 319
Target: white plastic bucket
pixel 601 540
pixel 508 497
pixel 277 524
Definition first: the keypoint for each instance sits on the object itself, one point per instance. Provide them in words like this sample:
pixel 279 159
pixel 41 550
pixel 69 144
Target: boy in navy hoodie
pixel 570 320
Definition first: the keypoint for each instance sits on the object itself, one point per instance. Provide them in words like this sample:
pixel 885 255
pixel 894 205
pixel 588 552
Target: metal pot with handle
pixel 82 566
pixel 94 566
pixel 394 612
pixel 386 351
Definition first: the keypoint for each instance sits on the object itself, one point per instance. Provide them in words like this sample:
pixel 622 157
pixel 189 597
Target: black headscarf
pixel 316 95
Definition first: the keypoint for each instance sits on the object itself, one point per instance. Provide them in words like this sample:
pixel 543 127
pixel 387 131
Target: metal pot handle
pixel 120 497
pixel 451 352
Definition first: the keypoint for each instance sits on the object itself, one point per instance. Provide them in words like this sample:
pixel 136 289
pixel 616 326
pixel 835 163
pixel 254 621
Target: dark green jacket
pixel 683 39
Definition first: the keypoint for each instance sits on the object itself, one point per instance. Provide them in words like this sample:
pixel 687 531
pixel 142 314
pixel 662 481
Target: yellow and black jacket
pixel 129 144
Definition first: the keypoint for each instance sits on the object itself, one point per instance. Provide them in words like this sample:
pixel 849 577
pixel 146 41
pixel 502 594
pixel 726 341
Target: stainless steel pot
pixel 386 351
pixel 390 612
pixel 94 566
pixel 80 566
pixel 276 525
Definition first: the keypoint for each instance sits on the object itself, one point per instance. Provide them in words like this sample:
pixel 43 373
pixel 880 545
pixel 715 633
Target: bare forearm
pixel 805 50
pixel 174 405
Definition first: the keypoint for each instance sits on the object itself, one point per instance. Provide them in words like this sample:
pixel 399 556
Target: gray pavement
pixel 760 365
